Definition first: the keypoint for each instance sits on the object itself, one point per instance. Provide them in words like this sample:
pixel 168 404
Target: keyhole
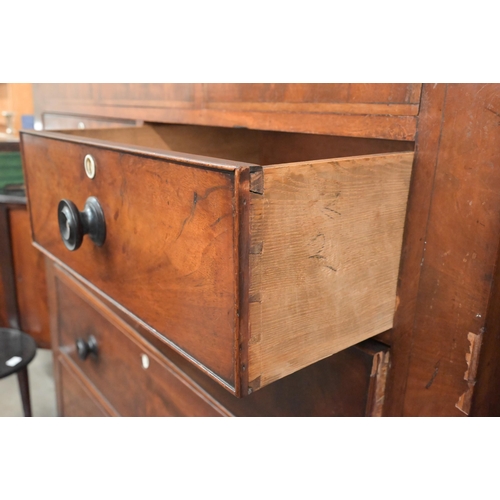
pixel 89 164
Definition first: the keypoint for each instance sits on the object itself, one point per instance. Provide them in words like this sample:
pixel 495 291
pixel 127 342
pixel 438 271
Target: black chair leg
pixel 22 377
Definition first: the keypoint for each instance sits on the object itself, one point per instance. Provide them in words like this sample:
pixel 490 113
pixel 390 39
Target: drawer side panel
pixel 326 239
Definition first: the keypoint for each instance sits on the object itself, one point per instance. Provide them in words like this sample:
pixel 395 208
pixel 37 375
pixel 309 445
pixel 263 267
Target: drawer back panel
pixel 243 145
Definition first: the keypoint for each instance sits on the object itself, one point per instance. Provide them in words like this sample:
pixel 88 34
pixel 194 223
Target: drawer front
pixel 168 257
pixel 136 380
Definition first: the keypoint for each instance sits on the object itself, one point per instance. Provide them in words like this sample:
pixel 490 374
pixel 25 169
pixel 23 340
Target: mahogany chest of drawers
pixel 251 272
pixel 251 257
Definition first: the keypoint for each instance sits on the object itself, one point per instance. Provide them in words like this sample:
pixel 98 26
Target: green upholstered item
pixel 11 171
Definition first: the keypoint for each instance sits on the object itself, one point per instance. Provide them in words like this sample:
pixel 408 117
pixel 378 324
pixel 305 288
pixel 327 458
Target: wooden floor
pixel 42 389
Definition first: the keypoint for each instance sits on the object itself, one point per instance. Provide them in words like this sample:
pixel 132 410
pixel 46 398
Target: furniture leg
pixel 22 377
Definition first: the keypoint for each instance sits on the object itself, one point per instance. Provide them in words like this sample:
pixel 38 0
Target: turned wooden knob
pixel 86 347
pixel 74 224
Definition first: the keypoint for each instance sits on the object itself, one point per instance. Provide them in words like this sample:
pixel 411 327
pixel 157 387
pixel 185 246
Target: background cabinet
pixel 16 98
pixel 23 294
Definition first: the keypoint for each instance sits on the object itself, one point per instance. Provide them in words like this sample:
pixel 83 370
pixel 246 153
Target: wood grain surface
pixel 414 240
pixel 384 111
pixel 313 93
pixel 445 340
pixel 460 251
pixel 168 256
pixel 457 252
pixel 241 145
pixel 325 247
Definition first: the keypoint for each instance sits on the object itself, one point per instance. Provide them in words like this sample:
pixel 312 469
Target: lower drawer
pixel 131 376
pixel 75 399
pixel 115 382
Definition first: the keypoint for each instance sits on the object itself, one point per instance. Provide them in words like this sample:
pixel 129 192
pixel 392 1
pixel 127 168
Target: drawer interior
pixel 250 146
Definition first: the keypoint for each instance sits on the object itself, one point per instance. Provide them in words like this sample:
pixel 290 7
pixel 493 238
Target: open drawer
pixel 252 272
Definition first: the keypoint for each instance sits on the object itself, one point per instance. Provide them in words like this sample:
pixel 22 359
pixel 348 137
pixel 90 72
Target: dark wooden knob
pixel 74 224
pixel 84 348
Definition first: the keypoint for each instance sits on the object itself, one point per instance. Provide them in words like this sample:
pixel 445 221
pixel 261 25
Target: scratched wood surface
pixel 460 252
pixel 414 238
pixel 456 231
pixel 325 247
